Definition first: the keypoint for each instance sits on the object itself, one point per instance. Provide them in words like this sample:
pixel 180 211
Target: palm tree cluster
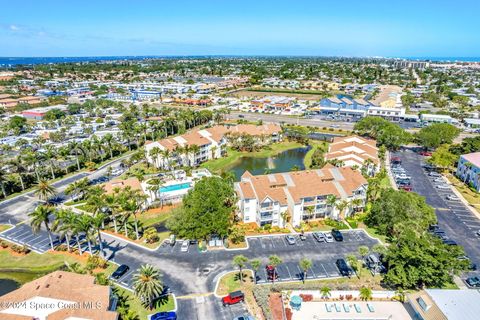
pixel 42 160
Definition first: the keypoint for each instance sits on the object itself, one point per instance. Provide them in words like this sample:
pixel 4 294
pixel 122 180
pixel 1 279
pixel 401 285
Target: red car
pixel 233 298
pixel 406 188
pixel 271 273
pixel 425 153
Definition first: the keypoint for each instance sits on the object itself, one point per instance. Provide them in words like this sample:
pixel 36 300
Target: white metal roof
pixel 457 304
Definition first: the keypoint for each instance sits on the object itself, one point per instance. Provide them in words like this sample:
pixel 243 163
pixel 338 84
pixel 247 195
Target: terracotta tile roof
pixel 65 286
pixel 330 180
pixel 351 147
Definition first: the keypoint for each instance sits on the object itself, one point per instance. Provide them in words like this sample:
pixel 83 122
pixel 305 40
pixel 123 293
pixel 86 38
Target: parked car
pixel 478 233
pixel 121 270
pixel 170 315
pixel 319 236
pixel 271 272
pixel 405 187
pixel 290 239
pixel 343 268
pixel 244 317
pixel 396 160
pixel 185 245
pixel 337 235
pixel 328 237
pixel 233 298
pixel 451 197
pixel 425 153
pixel 442 186
pixel 173 240
pixel 434 174
pixel 473 282
pixel 302 236
pixel 450 242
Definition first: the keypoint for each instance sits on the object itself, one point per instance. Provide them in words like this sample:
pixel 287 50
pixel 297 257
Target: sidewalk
pixel 389 172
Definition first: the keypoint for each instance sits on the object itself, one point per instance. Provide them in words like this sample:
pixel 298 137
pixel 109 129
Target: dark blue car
pixel 164 316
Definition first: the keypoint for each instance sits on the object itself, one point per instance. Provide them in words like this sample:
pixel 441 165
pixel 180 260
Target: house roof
pixel 355 147
pixel 473 158
pixel 59 286
pixel 297 185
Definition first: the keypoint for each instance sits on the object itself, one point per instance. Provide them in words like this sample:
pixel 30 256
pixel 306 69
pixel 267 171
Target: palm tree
pixel 75 146
pixel 240 261
pixel 255 266
pixel 274 261
pixel 40 216
pixel 97 223
pixel 44 190
pixel 17 164
pixel 3 180
pixel 305 264
pixel 147 284
pixel 357 203
pixel 365 293
pixel 50 154
pixel 154 153
pixel 194 149
pixel 341 206
pixel 363 251
pixel 65 219
pixel 112 202
pixel 85 225
pixel 331 201
pixel 325 292
pixel 108 140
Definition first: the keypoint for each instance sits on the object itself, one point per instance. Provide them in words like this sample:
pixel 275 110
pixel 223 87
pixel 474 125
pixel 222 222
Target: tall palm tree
pixel 18 167
pixel 305 264
pixel 154 153
pixel 274 261
pixel 3 180
pixel 65 224
pixel 75 147
pixel 85 225
pixel 255 266
pixel 50 154
pixel 97 223
pixel 112 202
pixel 194 149
pixel 45 190
pixel 147 284
pixel 331 201
pixel 341 206
pixel 41 216
pixel 240 261
pixel 108 140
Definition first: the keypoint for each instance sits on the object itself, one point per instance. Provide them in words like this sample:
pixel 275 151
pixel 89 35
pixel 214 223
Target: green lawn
pixel 219 165
pixel 4 227
pixel 142 312
pixel 307 161
pixel 231 282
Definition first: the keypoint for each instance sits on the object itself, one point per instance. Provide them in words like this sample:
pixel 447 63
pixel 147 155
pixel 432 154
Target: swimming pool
pixel 175 187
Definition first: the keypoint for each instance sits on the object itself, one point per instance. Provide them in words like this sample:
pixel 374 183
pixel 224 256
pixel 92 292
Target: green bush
pixel 335 224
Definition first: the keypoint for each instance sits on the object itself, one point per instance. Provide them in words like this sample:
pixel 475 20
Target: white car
pixel 442 186
pixel 328 237
pixel 185 245
pixel 452 197
pixel 402 176
pixel 434 174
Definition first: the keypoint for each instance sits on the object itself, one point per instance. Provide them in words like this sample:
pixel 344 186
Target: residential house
pixel 298 196
pixel 60 295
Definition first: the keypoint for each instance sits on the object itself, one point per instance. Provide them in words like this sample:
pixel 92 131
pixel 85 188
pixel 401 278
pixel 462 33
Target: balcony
pixel 264 217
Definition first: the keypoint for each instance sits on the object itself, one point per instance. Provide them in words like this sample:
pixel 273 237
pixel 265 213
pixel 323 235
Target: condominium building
pixel 197 146
pixel 299 196
pixel 355 152
pixel 468 169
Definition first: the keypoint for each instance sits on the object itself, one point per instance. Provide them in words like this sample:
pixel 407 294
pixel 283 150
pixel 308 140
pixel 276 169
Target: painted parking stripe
pixel 325 270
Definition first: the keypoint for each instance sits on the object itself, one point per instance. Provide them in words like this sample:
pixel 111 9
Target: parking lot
pixel 458 222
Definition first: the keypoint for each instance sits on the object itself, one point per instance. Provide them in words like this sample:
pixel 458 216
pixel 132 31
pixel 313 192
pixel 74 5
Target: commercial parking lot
pixel 458 222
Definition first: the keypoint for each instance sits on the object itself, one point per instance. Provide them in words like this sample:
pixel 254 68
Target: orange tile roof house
pixel 62 295
pixel 211 143
pixel 264 199
pixel 355 151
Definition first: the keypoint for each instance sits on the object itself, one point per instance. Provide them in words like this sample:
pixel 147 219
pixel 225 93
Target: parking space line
pixel 325 270
pixel 289 274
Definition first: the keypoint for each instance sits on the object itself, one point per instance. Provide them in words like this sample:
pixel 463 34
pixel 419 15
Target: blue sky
pixel 214 27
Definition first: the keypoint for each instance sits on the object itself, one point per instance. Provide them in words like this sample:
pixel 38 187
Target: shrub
pixel 288 313
pixel 261 294
pixel 151 235
pixel 96 262
pixel 306 297
pixel 20 249
pixel 4 244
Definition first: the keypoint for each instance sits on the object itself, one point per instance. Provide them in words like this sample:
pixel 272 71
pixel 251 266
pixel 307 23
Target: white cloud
pixel 13 27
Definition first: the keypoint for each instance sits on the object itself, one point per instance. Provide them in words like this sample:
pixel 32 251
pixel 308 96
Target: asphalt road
pixel 459 223
pixel 192 275
pixel 16 210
